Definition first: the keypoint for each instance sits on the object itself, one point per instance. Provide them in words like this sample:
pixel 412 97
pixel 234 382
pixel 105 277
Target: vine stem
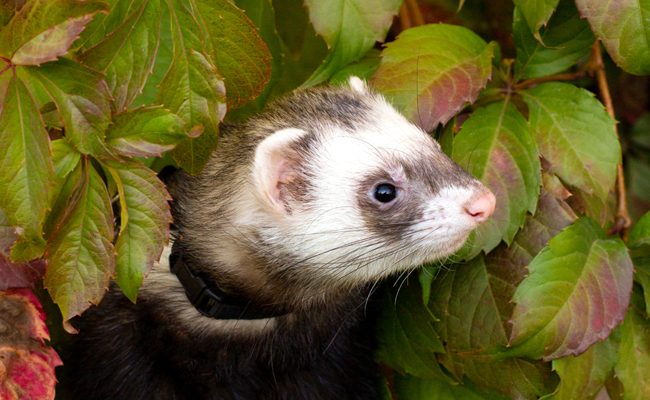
pixel 596 67
pixel 551 78
pixel 405 17
pixel 414 10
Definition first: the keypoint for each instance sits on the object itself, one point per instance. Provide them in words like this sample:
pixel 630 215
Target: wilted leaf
pixel 27 171
pixel 567 38
pixel 624 28
pixel 45 29
pixel 583 376
pixel 498 148
pixel 431 72
pixel 577 292
pixel 472 300
pixel 26 364
pixel 536 12
pixel 350 28
pixel 145 132
pixel 407 340
pixel 127 54
pixel 633 361
pixel 13 275
pixel 193 90
pixel 242 57
pixel 576 135
pixel 82 99
pixel 146 231
pixel 80 255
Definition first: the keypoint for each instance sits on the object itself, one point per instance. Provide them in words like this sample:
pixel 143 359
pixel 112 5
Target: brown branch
pixel 416 15
pixel 405 17
pixel 596 67
pixel 551 78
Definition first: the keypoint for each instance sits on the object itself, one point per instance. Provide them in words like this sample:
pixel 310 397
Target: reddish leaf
pixel 577 292
pixel 45 29
pixel 26 364
pixel 431 72
pixel 80 254
pixel 13 275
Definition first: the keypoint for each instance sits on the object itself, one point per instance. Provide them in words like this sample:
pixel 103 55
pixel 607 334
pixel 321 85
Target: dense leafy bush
pixel 97 96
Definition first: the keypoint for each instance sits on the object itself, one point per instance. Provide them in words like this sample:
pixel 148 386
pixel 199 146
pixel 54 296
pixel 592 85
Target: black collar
pixel 211 301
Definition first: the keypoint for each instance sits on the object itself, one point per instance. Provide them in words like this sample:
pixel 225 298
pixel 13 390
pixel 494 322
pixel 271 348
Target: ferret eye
pixel 385 193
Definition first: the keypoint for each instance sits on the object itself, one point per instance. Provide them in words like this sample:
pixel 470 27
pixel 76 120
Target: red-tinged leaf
pixel 472 300
pixel 431 72
pixel 146 232
pixel 26 363
pixel 127 55
pixel 81 258
pixel 193 90
pixel 145 132
pixel 407 340
pixel 633 361
pixel 498 148
pixel 27 172
pixel 576 135
pixel 350 28
pixel 583 376
pixel 536 12
pixel 82 99
pixel 231 39
pixel 45 29
pixel 577 292
pixel 13 275
pixel 624 28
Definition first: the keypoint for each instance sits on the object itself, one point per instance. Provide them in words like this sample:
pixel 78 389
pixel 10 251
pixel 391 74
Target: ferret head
pixel 346 191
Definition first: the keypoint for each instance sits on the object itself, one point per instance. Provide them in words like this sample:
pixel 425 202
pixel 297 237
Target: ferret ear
pixel 358 85
pixel 272 166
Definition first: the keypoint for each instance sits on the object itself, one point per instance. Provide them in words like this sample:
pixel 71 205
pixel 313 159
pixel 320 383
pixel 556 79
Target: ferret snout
pixel 481 208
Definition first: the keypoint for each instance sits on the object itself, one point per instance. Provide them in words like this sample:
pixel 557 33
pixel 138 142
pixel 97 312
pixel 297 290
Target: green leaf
pixel 472 300
pixel 624 29
pixel 65 159
pixel 634 356
pixel 145 132
pixel 641 232
pixel 242 57
pixel 577 292
pixel 127 54
pixel 8 8
pixel 193 90
pixel 350 28
pixel 576 135
pixel 583 376
pixel 641 261
pixel 536 12
pixel 430 72
pixel 12 275
pixel 81 258
pixel 496 145
pixel 146 230
pixel 413 388
pixel 567 38
pixel 82 99
pixel 363 68
pixel 45 29
pixel 27 171
pixel 407 340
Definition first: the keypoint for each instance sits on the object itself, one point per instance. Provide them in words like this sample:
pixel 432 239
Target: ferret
pixel 265 290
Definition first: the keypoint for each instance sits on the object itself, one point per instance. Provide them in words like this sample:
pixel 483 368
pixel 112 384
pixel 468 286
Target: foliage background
pixel 96 97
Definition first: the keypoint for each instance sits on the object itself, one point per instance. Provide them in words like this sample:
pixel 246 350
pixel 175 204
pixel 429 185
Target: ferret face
pixel 353 202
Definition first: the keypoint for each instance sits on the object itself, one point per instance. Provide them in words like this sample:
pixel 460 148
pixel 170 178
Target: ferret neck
pixel 209 299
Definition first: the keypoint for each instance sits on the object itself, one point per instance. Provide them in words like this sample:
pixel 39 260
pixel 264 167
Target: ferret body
pixel 299 212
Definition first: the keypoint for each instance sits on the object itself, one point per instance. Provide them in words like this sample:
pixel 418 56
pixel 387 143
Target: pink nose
pixel 482 208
